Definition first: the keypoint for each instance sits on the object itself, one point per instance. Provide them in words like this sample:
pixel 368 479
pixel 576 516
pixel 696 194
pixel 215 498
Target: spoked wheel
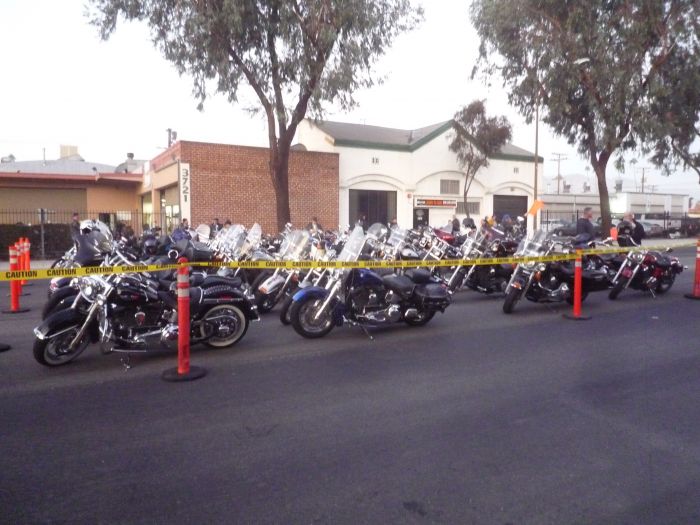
pixel 422 319
pixel 303 317
pixel 55 352
pixel 228 322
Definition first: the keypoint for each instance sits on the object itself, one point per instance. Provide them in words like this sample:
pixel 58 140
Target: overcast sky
pixel 62 85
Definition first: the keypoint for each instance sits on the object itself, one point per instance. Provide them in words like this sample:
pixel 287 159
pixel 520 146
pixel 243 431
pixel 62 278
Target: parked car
pixel 652 230
pixel 569 230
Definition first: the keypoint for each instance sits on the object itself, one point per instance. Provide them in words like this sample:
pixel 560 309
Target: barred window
pixel 473 208
pixel 449 187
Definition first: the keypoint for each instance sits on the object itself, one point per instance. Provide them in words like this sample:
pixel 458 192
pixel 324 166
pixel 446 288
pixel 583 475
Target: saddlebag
pixel 431 297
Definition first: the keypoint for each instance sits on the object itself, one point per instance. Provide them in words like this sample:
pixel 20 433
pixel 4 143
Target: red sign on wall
pixel 436 203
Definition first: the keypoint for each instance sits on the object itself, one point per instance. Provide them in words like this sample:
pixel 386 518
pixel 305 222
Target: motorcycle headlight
pixel 636 257
pixel 529 265
pixel 89 288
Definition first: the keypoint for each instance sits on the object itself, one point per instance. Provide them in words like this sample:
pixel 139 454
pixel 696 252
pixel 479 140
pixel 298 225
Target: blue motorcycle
pixel 363 297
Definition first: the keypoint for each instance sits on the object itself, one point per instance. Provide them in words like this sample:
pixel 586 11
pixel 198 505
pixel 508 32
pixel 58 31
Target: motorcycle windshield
pixel 233 240
pixel 397 237
pixel 353 245
pixel 532 245
pixel 294 245
pixel 472 242
pixel 254 235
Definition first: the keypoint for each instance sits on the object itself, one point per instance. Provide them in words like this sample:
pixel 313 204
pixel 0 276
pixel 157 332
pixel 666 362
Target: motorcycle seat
pixel 198 279
pixel 170 298
pixel 400 284
pixel 419 275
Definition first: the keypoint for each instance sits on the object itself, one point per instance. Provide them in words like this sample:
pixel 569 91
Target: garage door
pixel 512 205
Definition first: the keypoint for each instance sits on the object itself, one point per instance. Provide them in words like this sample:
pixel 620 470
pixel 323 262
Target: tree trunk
pixel 467 185
pixel 599 168
pixel 279 171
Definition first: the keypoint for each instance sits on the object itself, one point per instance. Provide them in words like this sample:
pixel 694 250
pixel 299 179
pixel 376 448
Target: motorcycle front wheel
pixel 617 289
pixel 302 315
pixel 265 302
pixel 285 318
pixel 59 300
pixel 512 298
pixel 231 325
pixel 54 351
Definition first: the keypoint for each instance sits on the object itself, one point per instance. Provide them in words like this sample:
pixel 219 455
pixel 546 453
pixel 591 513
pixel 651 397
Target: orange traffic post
pixel 20 265
pixel 183 371
pixel 15 286
pixel 578 281
pixel 25 259
pixel 696 283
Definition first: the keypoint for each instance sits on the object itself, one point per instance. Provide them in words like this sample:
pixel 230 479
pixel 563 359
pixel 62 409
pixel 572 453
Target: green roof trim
pixel 421 142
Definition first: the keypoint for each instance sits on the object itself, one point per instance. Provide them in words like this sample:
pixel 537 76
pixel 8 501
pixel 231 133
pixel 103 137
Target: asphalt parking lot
pixel 478 417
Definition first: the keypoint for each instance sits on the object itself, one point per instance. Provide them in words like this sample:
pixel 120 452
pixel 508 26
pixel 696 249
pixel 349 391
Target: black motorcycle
pixel 548 282
pixel 128 313
pixel 365 298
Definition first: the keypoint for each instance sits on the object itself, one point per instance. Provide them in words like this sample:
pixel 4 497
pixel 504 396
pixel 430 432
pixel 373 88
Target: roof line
pixel 350 143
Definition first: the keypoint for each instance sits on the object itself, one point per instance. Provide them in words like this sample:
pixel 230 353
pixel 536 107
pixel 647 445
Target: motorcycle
pixel 269 288
pixel 362 297
pixel 128 313
pixel 645 270
pixel 549 282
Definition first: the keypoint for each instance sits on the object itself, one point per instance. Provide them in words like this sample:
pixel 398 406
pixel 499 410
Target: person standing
pixel 314 226
pixel 214 228
pixel 584 224
pixel 75 226
pixel 456 226
pixel 628 226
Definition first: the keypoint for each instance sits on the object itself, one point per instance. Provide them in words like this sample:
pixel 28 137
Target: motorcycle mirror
pixel 669 249
pixel 172 254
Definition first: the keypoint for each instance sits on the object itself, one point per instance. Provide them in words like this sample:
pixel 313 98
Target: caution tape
pixel 51 273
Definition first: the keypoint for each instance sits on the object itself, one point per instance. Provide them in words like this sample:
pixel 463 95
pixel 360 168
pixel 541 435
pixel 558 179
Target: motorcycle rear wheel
pixel 54 352
pixel 665 284
pixel 512 298
pixel 422 319
pixel 302 313
pixel 617 289
pixel 236 317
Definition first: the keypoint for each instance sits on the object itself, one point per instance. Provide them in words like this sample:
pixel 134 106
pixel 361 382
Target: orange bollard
pixel 578 278
pixel 15 286
pixel 183 371
pixel 28 265
pixel 24 257
pixel 20 264
pixel 696 283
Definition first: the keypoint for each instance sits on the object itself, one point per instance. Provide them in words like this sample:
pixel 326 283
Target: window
pixel 516 170
pixel 375 160
pixel 473 208
pixel 449 187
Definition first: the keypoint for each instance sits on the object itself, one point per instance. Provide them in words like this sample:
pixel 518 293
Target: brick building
pixel 201 181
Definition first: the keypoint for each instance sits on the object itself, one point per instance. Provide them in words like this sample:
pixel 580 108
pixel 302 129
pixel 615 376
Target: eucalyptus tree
pixel 603 71
pixel 297 56
pixel 475 138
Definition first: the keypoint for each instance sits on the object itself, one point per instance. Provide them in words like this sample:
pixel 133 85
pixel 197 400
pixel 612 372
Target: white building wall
pixel 417 174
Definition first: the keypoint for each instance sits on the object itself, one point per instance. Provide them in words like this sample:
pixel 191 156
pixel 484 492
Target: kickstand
pixel 362 327
pixel 126 362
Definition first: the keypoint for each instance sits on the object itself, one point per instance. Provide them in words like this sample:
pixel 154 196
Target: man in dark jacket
pixel 75 226
pixel 584 224
pixel 628 226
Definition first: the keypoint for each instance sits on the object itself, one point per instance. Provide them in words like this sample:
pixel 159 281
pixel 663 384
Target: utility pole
pixel 644 169
pixel 172 136
pixel 537 129
pixel 560 157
